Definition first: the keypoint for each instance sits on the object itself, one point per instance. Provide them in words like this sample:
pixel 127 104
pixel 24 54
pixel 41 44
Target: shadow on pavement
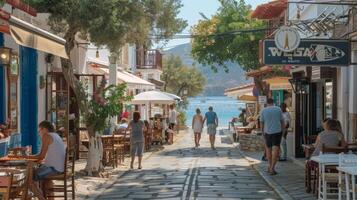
pixel 226 181
pixel 202 152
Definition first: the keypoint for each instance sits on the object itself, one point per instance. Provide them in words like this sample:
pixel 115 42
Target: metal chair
pixel 68 174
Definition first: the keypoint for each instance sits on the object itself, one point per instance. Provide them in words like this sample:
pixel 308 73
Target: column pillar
pixel 29 103
pixel 2 87
pixel 353 97
pixel 113 80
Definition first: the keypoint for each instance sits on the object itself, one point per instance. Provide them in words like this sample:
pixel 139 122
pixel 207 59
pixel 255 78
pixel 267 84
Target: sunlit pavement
pixel 181 172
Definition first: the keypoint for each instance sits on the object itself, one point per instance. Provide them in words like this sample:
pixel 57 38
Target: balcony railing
pixel 148 59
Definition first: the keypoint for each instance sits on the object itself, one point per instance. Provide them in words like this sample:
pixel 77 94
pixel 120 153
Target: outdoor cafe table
pixel 28 163
pixel 324 160
pixel 348 171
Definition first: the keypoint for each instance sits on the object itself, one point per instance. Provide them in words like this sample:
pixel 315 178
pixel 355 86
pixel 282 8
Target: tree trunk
pixel 95 143
pixel 95 154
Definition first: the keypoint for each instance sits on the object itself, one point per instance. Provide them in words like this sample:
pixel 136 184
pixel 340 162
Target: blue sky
pixel 191 9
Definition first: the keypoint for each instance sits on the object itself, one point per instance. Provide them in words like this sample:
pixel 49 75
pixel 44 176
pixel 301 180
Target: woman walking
pixel 137 139
pixel 197 125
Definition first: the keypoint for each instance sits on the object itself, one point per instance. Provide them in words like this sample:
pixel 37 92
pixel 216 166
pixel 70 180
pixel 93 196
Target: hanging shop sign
pixel 309 52
pixel 287 39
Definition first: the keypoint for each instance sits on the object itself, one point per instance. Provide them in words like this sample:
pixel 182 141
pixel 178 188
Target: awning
pixel 131 80
pixel 261 71
pixel 248 98
pixel 28 35
pixel 236 92
pixel 270 10
pixel 279 83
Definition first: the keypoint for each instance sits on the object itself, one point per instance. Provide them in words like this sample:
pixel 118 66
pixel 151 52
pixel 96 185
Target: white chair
pixel 347 160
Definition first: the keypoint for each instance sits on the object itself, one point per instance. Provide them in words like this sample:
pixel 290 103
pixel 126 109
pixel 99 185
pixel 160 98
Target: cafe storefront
pixel 24 49
pixel 314 69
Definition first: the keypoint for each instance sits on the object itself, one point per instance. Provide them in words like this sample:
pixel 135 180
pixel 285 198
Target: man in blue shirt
pixel 272 123
pixel 212 123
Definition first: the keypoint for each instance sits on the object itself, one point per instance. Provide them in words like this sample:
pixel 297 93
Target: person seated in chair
pixel 123 124
pixel 331 136
pixel 52 155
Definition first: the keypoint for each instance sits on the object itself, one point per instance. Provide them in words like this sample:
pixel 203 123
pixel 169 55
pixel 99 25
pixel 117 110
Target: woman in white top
pixel 52 155
pixel 197 125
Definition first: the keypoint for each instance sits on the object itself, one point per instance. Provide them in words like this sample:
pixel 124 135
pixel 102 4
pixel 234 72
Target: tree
pixel 230 35
pixel 110 23
pixel 178 77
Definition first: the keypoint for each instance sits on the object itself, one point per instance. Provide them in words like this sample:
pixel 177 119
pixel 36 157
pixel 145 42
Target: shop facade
pixel 24 49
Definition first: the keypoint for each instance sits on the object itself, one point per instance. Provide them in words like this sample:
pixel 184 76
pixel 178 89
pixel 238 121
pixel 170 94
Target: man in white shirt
pixel 172 123
pixel 172 116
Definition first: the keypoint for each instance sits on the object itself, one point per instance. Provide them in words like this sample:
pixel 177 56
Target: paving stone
pixel 179 172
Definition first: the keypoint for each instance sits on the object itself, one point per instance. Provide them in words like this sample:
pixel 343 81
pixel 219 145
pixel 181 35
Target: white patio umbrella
pixel 154 97
pixel 173 96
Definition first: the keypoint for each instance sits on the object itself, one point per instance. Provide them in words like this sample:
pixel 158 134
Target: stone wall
pixel 251 142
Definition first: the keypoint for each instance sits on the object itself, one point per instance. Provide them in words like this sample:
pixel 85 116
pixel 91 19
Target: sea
pixel 225 107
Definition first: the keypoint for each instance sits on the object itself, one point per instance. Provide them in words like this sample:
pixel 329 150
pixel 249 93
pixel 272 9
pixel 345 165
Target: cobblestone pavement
pixel 290 180
pixel 180 172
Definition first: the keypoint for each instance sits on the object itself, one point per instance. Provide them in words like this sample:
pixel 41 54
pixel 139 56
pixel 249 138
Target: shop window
pixel 13 73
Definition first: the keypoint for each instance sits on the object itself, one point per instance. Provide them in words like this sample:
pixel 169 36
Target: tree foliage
pixel 220 39
pixel 106 102
pixel 178 77
pixel 110 23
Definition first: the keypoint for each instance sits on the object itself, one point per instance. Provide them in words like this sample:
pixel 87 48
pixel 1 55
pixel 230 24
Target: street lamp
pixel 5 54
pixel 299 85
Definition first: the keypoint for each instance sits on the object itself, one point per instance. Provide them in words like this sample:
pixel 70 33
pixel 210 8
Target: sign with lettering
pixel 262 99
pixel 310 52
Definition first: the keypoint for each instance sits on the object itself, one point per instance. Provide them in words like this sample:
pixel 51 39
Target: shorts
pixel 44 171
pixel 137 148
pixel 211 129
pixel 273 139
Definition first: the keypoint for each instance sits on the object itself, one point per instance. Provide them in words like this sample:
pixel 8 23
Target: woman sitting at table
pixel 331 136
pixel 52 155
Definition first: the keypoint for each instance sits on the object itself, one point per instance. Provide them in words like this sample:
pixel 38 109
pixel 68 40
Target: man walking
pixel 172 124
pixel 272 123
pixel 212 123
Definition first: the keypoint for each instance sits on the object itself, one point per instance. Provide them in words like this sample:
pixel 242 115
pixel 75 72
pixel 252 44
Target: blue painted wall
pixel 2 87
pixel 28 92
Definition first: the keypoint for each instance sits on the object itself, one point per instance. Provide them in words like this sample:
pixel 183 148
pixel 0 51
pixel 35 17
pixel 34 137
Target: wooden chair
pixel 119 145
pixel 126 137
pixel 5 185
pixel 67 175
pixel 334 149
pixel 109 152
pixel 352 147
pixel 148 138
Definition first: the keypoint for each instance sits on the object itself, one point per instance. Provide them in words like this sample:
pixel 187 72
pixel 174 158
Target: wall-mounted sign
pixel 262 99
pixel 287 39
pixel 309 52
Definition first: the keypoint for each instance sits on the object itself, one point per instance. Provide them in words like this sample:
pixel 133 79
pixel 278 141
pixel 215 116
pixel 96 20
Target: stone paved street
pixel 180 172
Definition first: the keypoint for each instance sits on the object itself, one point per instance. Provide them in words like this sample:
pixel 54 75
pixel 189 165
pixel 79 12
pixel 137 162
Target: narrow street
pixel 180 172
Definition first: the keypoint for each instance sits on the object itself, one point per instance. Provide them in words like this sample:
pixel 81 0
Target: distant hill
pixel 216 82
